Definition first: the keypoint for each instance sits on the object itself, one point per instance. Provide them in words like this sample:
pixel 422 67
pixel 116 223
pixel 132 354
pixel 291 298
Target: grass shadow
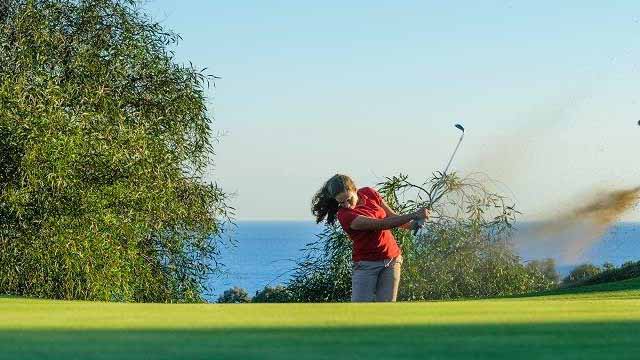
pixel 610 340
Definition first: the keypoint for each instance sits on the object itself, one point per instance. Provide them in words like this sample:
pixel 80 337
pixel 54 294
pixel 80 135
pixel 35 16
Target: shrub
pixel 324 272
pixel 234 295
pixel 546 268
pixel 626 271
pixel 581 273
pixel 608 266
pixel 277 294
pixel 463 251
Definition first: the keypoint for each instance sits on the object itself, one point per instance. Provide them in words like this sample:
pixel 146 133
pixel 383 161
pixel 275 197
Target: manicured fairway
pixel 585 325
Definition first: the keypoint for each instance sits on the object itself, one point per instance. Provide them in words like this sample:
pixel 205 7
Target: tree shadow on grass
pixel 612 340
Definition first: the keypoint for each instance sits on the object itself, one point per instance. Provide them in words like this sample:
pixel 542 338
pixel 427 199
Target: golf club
pixel 461 128
pixel 420 223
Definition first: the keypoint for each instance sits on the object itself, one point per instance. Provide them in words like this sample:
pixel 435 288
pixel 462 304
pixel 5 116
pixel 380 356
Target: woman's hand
pixel 422 214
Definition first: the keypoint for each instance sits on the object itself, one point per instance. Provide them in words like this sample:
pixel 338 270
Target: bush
pixel 452 263
pixel 234 295
pixel 581 273
pixel 463 252
pixel 610 273
pixel 104 141
pixel 546 268
pixel 324 272
pixel 277 294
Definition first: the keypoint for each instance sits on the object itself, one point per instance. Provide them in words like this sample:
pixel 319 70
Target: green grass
pixel 627 289
pixel 595 323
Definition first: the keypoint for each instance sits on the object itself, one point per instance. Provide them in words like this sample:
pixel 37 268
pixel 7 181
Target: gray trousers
pixel 376 280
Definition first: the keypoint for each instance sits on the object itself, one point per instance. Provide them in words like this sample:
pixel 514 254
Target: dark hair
pixel 324 203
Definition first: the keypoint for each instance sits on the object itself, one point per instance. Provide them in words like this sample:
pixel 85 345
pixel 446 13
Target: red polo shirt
pixel 368 245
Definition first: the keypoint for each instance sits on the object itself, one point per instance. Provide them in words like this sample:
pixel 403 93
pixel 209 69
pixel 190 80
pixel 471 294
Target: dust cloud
pixel 568 235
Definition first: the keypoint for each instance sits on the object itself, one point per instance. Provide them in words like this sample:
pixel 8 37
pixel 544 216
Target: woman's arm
pixel 390 222
pixel 390 212
pixel 367 223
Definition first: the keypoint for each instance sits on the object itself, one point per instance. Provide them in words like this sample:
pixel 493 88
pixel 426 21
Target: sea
pixel 265 252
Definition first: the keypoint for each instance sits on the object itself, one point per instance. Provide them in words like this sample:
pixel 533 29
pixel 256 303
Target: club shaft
pixel 454 154
pixel 421 222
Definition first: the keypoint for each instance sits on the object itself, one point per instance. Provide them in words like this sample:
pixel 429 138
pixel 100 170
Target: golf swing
pixel 367 220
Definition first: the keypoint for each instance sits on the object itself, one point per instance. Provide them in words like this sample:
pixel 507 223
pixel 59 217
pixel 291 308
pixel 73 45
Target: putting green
pixel 593 324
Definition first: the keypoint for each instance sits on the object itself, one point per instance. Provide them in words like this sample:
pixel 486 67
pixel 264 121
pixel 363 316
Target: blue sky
pixel 548 92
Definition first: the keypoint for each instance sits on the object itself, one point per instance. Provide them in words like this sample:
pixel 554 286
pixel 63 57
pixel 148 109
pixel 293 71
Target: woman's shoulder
pixel 345 216
pixel 342 210
pixel 368 191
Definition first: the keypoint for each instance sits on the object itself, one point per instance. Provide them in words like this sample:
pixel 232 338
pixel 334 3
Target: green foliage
pixel 608 266
pixel 277 294
pixel 459 262
pixel 463 252
pixel 234 295
pixel 610 273
pixel 104 142
pixel 581 273
pixel 546 268
pixel 324 273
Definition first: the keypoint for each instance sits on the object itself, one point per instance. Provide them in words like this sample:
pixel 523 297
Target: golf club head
pixel 459 127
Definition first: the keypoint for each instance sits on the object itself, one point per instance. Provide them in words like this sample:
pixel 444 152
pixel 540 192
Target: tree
pixel 105 140
pixel 582 272
pixel 546 268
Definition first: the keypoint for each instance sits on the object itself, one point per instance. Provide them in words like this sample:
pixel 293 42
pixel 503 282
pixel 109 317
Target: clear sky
pixel 549 93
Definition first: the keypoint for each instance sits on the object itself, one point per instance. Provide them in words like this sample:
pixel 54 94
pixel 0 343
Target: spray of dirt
pixel 572 233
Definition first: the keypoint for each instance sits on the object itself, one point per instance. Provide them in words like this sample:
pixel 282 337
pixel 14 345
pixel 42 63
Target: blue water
pixel 265 253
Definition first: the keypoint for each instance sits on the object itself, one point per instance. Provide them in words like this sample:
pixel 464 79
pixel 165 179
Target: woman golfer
pixel 367 220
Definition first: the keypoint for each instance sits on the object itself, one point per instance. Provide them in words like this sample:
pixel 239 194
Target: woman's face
pixel 347 199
